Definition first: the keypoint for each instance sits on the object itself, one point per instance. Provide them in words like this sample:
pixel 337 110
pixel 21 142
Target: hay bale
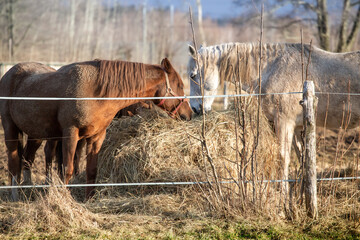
pixel 150 147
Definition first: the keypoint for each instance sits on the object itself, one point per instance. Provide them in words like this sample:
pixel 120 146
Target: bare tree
pixel 347 40
pixel 346 37
pixel 200 22
pixel 318 12
pixel 68 31
pixel 323 24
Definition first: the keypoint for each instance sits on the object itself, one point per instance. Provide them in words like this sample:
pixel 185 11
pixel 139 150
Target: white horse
pixel 282 73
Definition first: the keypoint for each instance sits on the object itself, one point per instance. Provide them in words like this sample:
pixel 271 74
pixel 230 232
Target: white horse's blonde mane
pixel 242 59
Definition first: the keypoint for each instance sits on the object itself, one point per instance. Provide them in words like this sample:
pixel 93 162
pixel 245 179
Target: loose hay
pixel 152 148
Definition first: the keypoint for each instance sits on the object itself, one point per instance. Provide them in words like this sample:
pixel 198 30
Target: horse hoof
pixel 14 191
pixel 27 177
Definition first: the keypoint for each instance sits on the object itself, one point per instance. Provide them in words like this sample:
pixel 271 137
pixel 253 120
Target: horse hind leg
pixel 297 144
pixel 31 147
pixel 50 151
pixel 13 142
pixel 59 160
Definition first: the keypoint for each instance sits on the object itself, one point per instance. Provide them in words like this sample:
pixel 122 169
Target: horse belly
pixel 36 119
pixel 94 127
pixel 338 111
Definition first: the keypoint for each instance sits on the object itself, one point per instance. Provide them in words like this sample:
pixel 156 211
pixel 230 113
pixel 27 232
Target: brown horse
pixel 73 120
pixel 54 148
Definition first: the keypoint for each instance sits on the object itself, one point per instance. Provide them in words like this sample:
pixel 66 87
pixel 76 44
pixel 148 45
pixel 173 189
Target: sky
pixel 216 9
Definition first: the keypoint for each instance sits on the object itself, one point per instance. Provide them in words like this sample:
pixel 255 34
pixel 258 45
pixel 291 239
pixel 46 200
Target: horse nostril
pixel 195 110
pixel 184 117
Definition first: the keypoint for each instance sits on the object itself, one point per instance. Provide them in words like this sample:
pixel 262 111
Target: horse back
pixel 19 73
pixel 78 78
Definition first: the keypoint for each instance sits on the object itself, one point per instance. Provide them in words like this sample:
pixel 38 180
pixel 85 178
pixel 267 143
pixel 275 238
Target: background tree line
pixel 76 30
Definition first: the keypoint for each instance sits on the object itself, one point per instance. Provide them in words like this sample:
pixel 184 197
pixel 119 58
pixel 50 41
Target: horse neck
pixel 155 76
pixel 240 61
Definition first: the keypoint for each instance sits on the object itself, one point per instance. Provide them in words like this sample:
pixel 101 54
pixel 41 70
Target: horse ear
pixel 192 52
pixel 165 63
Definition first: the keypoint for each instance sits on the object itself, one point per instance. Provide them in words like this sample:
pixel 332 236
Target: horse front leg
pixel 69 143
pixel 79 147
pixel 14 146
pixel 92 150
pixel 225 92
pixel 285 132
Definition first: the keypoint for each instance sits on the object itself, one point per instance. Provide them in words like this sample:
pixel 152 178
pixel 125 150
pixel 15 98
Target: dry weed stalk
pixel 206 152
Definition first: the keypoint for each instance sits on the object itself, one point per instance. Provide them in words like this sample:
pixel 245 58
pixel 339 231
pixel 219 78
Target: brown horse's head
pixel 173 87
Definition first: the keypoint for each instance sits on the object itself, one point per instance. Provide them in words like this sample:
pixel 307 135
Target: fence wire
pixel 167 183
pixel 177 97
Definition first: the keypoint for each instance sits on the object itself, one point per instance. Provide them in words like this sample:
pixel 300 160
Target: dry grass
pixel 53 212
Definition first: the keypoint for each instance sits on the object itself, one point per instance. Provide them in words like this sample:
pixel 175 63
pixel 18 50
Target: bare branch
pixel 354 30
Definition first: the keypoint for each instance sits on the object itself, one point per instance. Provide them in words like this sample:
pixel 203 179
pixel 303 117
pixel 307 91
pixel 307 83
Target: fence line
pixel 144 98
pixel 167 183
pixel 177 97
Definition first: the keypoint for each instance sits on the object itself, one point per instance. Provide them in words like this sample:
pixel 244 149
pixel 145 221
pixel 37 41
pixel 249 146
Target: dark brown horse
pixel 73 120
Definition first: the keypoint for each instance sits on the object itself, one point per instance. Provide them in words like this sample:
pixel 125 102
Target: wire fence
pixel 168 183
pixel 176 97
pixel 143 98
pixel 171 97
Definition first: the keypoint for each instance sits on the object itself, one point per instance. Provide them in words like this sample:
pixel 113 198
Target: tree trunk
pixel 343 27
pixel 72 45
pixel 354 31
pixel 10 28
pixel 144 35
pixel 323 24
pixel 201 29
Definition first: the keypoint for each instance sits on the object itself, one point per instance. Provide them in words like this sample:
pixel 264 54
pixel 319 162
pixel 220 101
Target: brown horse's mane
pixel 120 78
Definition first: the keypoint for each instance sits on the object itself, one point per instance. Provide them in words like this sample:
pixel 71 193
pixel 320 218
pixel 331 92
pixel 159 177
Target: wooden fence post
pixel 309 103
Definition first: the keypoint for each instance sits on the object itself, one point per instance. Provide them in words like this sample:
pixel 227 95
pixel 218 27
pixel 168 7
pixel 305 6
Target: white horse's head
pixel 210 75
